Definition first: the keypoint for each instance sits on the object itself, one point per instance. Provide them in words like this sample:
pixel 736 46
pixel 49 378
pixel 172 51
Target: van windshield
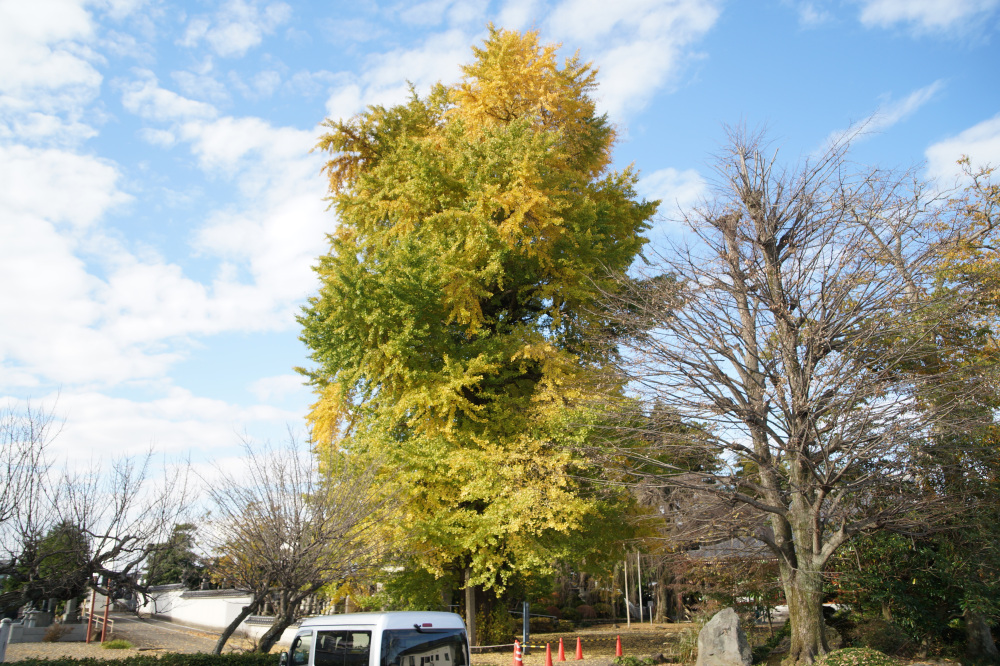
pixel 433 647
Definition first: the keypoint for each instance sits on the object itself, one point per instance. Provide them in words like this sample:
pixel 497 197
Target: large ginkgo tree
pixel 449 336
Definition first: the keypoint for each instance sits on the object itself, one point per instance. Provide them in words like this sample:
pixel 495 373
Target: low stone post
pixel 5 628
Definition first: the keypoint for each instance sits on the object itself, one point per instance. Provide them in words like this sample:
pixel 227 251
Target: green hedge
pixel 169 659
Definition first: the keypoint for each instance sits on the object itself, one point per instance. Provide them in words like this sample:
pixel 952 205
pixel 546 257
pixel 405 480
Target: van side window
pixel 345 647
pixel 300 649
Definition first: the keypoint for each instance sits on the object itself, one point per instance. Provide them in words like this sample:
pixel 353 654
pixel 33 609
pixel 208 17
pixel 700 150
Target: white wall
pixel 212 611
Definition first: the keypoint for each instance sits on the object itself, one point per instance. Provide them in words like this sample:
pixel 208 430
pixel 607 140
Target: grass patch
pixel 117 644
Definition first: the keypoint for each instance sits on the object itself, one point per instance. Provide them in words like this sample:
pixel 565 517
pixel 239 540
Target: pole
pixel 470 607
pixel 638 568
pixel 525 626
pixel 90 614
pixel 104 625
pixel 628 611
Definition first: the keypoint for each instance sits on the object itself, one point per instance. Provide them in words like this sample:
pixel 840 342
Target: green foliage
pixel 603 610
pixel 175 560
pixel 117 644
pixel 498 626
pixel 880 635
pixel 410 588
pixel 856 657
pixel 632 661
pixel 55 565
pixel 760 653
pixel 450 335
pixel 571 614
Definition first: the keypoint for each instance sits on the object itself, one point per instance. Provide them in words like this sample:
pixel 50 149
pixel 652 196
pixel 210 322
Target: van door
pixel 301 647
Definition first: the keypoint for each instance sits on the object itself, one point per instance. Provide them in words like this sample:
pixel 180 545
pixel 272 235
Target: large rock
pixel 722 641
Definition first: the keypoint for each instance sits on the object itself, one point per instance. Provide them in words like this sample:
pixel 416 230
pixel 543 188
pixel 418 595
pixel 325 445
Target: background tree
pixel 765 334
pixel 448 337
pixel 64 529
pixel 175 560
pixel 288 524
pixel 956 568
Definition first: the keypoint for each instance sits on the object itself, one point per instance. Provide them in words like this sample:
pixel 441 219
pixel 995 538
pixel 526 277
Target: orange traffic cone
pixel 562 650
pixel 517 654
pixel 579 648
pixel 618 647
pixel 548 655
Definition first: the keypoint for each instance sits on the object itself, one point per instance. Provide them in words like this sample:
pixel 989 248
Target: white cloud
pixel 78 329
pixel 812 14
pixel 56 185
pixel 45 128
pixel 261 85
pixel 157 137
pixel 517 14
pixel 981 143
pixel 677 190
pixel 893 111
pixel 145 98
pixel 268 389
pixel 46 68
pixel 237 27
pixel 96 424
pixel 889 113
pixel 639 45
pixel 924 15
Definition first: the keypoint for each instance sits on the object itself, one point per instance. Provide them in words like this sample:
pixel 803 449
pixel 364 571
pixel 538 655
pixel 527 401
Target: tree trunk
pixel 804 593
pixel 662 596
pixel 274 632
pixel 289 611
pixel 244 614
pixel 470 607
pixel 979 647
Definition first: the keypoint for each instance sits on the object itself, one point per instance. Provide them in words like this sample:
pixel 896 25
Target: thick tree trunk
pixel 804 593
pixel 274 632
pixel 979 647
pixel 244 614
pixel 470 607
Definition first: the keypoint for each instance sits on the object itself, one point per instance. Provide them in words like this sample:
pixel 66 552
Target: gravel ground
pixel 157 636
pixel 148 636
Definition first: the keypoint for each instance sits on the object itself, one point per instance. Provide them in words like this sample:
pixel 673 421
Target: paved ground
pixel 157 636
pixel 148 636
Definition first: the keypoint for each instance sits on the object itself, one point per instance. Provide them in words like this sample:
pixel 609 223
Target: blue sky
pixel 160 207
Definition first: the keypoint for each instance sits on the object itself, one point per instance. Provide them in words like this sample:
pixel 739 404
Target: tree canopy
pixel 449 335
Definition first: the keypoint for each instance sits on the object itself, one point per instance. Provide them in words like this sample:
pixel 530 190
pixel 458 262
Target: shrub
pixel 117 644
pixel 856 657
pixel 55 632
pixel 542 625
pixel 586 612
pixel 760 653
pixel 564 626
pixel 603 610
pixel 880 635
pixel 497 627
pixel 553 610
pixel 169 659
pixel 571 614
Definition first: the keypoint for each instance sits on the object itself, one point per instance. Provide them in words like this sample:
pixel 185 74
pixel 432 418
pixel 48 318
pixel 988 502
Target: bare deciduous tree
pixel 105 520
pixel 785 326
pixel 289 523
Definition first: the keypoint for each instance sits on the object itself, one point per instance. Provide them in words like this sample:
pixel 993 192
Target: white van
pixel 380 639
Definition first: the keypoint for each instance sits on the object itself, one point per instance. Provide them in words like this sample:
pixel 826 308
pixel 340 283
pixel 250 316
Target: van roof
pixel 390 620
